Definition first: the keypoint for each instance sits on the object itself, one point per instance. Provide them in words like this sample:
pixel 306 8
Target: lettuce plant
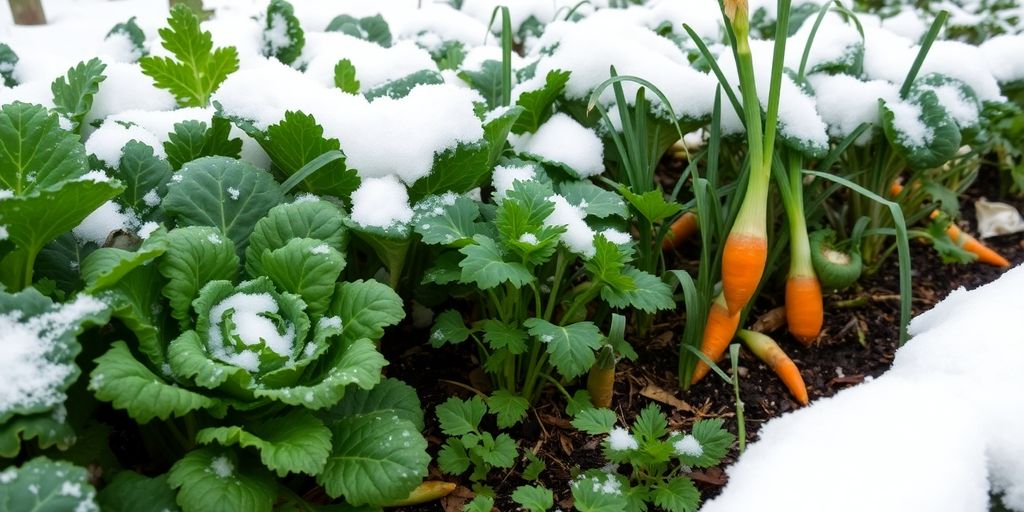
pixel 649 462
pixel 243 332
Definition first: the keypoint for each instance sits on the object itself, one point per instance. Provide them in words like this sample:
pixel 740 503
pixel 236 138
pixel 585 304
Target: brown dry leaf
pixel 712 476
pixel 455 501
pixel 561 423
pixel 566 444
pixel 659 394
pixel 771 321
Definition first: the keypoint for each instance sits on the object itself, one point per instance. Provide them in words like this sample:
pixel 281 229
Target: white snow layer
pixel 561 139
pixel 938 432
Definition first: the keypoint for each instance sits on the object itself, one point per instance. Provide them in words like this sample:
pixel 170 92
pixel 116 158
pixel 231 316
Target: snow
pixel 621 440
pixel 109 217
pixel 561 139
pixel 845 102
pixel 890 440
pixel 126 88
pixel 32 374
pixel 251 326
pixel 381 202
pixel 909 125
pixel 505 176
pixel 1004 57
pixel 147 229
pixel 320 249
pixel 374 64
pixel 963 110
pixel 688 446
pixel 835 40
pixel 222 467
pixel 578 236
pixel 906 23
pixel 275 37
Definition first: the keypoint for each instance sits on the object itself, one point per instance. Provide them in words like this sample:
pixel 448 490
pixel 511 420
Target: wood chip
pixel 771 321
pixel 847 379
pixel 659 394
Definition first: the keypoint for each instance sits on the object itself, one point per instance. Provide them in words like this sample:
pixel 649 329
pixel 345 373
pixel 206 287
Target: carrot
pixel 600 383
pixel 805 312
pixel 743 263
pixel 769 352
pixel 426 492
pixel 896 188
pixel 967 242
pixel 718 332
pixel 684 227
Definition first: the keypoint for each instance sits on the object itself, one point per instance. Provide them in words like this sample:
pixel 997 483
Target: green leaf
pixel 298 140
pixel 43 428
pixel 401 87
pixel 376 458
pixel 501 452
pixel 104 267
pixel 8 60
pixel 138 304
pixel 43 485
pixel 132 492
pixel 120 379
pixel 651 205
pixel 195 256
pixel 648 293
pixel 217 479
pixel 191 140
pixel 44 347
pixel 371 28
pixel 594 200
pixel 316 219
pixel 366 308
pixel 571 346
pixel 296 442
pixel 280 21
pixel 452 458
pixel 306 267
pixel 579 402
pixel 537 104
pixel 958 95
pixel 534 467
pixel 676 495
pixel 390 398
pixel 448 328
pixel 534 499
pixel 459 417
pixel 595 421
pixel 131 31
pixel 61 261
pixel 496 133
pixel 456 170
pixel 223 193
pixel 507 407
pixel 198 70
pixel 597 491
pixel 73 94
pixel 606 267
pixel 445 269
pixel 500 336
pixel 714 441
pixel 485 266
pixel 650 424
pixel 447 220
pixel 922 150
pixel 144 175
pixel 345 77
pixel 480 503
pixel 486 80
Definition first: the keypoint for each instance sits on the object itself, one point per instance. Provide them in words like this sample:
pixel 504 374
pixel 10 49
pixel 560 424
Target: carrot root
pixel 805 312
pixel 769 352
pixel 718 332
pixel 684 227
pixel 743 263
pixel 970 244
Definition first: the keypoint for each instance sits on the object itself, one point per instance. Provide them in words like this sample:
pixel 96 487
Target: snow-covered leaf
pixel 306 267
pixel 315 219
pixel 43 485
pixel 219 479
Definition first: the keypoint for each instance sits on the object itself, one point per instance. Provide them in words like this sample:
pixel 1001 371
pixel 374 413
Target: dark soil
pixel 858 342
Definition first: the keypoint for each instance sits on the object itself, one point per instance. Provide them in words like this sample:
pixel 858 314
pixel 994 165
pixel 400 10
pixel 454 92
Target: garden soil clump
pixel 858 342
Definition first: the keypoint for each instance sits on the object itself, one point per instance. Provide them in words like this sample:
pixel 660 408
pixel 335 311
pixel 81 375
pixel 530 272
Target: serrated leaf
pixel 190 140
pixel 132 492
pixel 390 398
pixel 440 223
pixel 714 441
pixel 651 205
pixel 306 267
pixel 195 256
pixel 366 308
pixel 597 491
pixel 401 87
pixel 607 266
pixel 318 220
pixel 460 417
pixel 43 485
pixel 485 266
pixel 375 459
pixel 593 199
pixel 223 193
pixel 73 94
pixel 534 467
pixel 500 453
pixel 537 104
pixel 216 479
pixel 595 421
pixel 345 77
pixel 571 347
pixel 130 386
pixel 448 328
pixel 534 499
pixel 283 37
pixel 501 336
pixel 676 495
pixel 452 458
pixel 296 442
pixel 508 408
pixel 445 269
pixel 456 170
pixel 198 69
pixel 298 140
pixel 144 175
pixel 648 293
pixel 650 424
pixel 480 503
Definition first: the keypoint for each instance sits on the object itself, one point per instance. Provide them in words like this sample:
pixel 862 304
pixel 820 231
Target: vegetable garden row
pixel 212 223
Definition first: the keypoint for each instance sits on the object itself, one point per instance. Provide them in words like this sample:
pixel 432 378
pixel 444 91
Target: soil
pixel 858 342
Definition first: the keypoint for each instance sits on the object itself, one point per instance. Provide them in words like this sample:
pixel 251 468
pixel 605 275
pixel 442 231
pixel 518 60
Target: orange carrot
pixel 805 312
pixel 896 188
pixel 718 332
pixel 769 352
pixel 743 263
pixel 684 227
